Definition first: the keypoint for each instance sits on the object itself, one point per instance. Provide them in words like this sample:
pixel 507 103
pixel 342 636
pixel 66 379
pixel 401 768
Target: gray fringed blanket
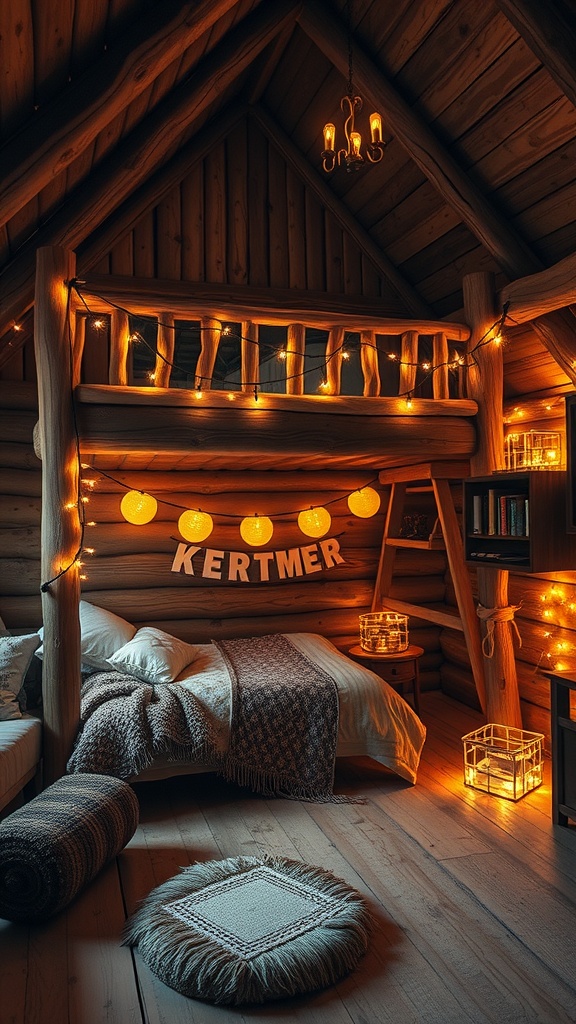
pixel 283 734
pixel 127 723
pixel 284 719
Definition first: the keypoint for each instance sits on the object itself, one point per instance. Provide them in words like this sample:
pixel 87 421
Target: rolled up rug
pixel 59 841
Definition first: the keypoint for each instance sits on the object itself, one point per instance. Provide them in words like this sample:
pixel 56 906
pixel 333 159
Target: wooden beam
pixel 263 305
pixel 144 150
pixel 485 384
pixel 61 533
pixel 420 142
pixel 60 132
pixel 538 294
pixel 414 303
pixel 549 34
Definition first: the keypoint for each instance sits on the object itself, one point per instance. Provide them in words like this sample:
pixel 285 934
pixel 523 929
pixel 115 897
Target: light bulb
pixel 314 522
pixel 195 525
pixel 138 508
pixel 364 503
pixel 256 530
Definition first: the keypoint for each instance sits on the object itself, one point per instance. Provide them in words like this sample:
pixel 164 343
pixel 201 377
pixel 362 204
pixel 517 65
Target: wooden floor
pixel 474 900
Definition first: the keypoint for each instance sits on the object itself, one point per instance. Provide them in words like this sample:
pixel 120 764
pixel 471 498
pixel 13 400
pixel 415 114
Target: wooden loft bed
pixel 171 425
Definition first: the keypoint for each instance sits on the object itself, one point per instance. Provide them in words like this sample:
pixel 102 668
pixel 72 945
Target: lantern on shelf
pixel 534 449
pixel 502 760
pixel 138 508
pixel 384 632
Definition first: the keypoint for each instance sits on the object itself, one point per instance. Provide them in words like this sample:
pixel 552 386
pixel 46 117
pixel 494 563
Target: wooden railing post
pixel 295 351
pixel 369 363
pixel 485 386
pixel 118 372
pixel 210 333
pixel 165 345
pixel 250 356
pixel 60 530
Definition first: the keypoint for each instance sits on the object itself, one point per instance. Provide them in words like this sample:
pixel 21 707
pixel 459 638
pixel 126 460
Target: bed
pixel 137 678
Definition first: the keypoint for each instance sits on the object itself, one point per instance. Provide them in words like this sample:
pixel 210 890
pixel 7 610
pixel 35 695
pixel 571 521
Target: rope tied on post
pixel 491 616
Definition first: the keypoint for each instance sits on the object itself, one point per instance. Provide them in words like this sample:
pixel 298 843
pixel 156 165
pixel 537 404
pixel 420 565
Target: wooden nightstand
pixel 399 670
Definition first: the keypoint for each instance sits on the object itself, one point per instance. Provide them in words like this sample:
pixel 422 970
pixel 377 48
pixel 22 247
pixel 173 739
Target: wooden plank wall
pixel 241 216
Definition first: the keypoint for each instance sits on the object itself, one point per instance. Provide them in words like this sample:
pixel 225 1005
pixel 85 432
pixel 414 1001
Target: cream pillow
pixel 15 657
pixel 153 656
pixel 101 634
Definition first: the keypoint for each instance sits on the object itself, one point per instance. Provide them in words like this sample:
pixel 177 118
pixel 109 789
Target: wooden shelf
pixel 540 499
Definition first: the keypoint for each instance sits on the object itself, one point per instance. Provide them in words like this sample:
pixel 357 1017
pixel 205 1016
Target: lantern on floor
pixel 195 526
pixel 364 503
pixel 256 530
pixel 314 522
pixel 138 508
pixel 502 760
pixel 384 632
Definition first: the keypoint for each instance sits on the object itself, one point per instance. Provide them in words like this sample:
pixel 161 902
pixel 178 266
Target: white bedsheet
pixel 374 720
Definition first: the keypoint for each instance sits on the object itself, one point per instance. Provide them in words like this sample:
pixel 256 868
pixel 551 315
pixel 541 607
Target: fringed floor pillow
pixel 246 930
pixel 54 845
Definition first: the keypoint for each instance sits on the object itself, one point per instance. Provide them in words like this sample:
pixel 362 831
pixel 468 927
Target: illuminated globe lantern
pixel 364 502
pixel 195 526
pixel 256 530
pixel 138 508
pixel 314 522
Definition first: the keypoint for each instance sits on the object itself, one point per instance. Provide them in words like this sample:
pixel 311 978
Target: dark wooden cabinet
pixel 517 521
pixel 563 712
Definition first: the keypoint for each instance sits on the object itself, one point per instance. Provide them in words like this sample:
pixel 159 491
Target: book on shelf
pixel 498 513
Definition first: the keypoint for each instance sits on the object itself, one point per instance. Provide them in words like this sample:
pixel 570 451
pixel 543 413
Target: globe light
pixel 256 530
pixel 138 508
pixel 195 525
pixel 314 522
pixel 364 502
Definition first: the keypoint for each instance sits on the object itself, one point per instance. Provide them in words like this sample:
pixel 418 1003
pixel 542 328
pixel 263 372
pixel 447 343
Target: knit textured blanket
pixel 127 723
pixel 284 720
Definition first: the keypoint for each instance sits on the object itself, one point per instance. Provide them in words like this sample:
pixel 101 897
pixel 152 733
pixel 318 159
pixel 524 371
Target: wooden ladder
pixel 431 477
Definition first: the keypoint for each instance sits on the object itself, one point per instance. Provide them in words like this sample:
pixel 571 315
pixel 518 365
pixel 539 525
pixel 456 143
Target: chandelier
pixel 351 105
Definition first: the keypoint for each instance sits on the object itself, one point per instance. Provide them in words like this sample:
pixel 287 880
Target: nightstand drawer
pixel 397 673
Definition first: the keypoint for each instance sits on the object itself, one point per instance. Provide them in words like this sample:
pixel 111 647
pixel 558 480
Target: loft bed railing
pixel 436 348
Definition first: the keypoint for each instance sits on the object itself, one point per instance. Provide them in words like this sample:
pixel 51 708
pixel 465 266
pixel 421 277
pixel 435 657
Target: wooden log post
pixel 60 529
pixel 250 356
pixel 210 332
pixel 334 357
pixel 369 364
pixel 165 345
pixel 295 363
pixel 440 387
pixel 485 386
pixel 408 362
pixel 119 347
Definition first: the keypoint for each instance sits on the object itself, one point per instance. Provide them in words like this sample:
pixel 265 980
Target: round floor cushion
pixel 249 929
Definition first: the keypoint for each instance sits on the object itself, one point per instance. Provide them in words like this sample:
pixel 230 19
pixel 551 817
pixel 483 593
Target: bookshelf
pixel 517 521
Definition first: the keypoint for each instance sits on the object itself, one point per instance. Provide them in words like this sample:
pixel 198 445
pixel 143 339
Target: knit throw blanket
pixel 284 720
pixel 127 723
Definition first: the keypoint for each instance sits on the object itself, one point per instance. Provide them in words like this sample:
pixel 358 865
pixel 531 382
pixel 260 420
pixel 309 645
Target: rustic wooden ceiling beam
pixel 556 330
pixel 422 145
pixel 141 153
pixel 539 294
pixel 549 34
pixel 412 300
pixel 61 131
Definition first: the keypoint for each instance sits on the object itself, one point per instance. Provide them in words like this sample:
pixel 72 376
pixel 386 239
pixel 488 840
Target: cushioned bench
pixel 20 752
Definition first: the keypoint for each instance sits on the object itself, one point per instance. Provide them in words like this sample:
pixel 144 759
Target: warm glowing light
pixel 195 525
pixel 392 355
pixel 89 551
pixel 323 385
pixel 256 530
pixel 408 402
pixel 345 354
pixel 314 522
pixel 329 133
pixel 375 128
pixel 425 366
pixel 198 394
pixel 98 325
pixel 230 396
pixel 138 508
pixel 17 327
pixel 282 354
pixel 364 503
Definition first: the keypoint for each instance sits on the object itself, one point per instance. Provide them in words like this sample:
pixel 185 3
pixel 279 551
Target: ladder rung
pixel 432 544
pixel 436 615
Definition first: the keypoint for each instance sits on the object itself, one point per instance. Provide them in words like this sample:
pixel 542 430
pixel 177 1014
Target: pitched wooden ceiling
pixel 479 107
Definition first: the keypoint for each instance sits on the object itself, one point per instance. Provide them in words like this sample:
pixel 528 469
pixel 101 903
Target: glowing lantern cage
pixel 502 760
pixel 384 632
pixel 533 450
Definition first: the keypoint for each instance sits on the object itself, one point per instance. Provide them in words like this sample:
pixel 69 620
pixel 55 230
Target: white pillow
pixel 153 656
pixel 101 634
pixel 15 656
